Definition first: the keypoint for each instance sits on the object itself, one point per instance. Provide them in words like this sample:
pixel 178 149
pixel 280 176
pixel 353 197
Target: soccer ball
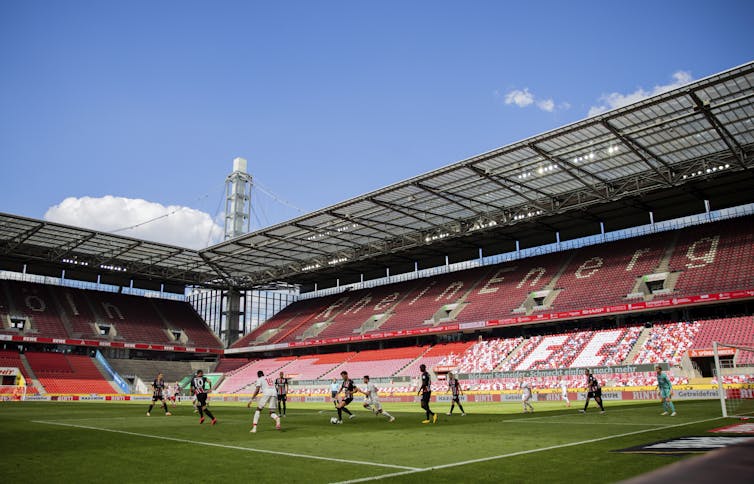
pixel 333 420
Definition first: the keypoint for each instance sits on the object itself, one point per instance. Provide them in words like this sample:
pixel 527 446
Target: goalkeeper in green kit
pixel 666 392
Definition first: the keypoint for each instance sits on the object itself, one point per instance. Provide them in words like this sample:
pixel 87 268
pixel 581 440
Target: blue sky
pixel 149 102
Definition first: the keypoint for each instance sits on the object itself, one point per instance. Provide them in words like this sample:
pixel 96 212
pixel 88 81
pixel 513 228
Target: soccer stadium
pixel 610 247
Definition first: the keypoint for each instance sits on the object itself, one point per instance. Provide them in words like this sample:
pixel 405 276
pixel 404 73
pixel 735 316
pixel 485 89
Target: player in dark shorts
pixel 426 391
pixel 593 391
pixel 199 387
pixel 158 389
pixel 281 387
pixel 455 389
pixel 346 388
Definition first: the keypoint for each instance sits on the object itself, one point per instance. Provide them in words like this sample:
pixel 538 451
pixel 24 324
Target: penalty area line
pixel 234 447
pixel 522 452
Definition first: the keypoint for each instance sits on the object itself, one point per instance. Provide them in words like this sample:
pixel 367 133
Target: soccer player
pixel 334 389
pixel 346 388
pixel 268 398
pixel 199 387
pixel 425 390
pixel 281 387
pixel 454 386
pixel 564 392
pixel 158 387
pixel 372 399
pixel 665 390
pixel 593 391
pixel 526 397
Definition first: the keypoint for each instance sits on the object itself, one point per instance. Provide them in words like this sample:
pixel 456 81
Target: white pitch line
pixel 558 422
pixel 234 447
pixel 522 452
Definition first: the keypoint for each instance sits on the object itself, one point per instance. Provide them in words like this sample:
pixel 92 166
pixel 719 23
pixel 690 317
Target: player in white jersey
pixel 564 392
pixel 265 388
pixel 526 397
pixel 372 399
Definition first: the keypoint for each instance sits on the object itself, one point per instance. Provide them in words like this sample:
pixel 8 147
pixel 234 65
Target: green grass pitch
pixel 114 442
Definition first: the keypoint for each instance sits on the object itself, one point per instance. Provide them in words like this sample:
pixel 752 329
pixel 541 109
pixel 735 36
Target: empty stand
pixel 229 364
pixel 715 257
pixel 448 354
pixel 147 370
pixel 485 356
pixel 59 373
pixel 506 286
pixel 33 301
pixel 603 275
pixel 313 367
pixel 738 330
pixel 429 296
pixel 64 312
pixel 667 343
pixel 243 378
pixel 377 363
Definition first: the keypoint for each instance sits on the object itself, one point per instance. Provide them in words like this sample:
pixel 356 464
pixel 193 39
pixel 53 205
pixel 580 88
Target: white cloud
pixel 519 98
pixel 615 100
pixel 526 98
pixel 174 224
pixel 546 105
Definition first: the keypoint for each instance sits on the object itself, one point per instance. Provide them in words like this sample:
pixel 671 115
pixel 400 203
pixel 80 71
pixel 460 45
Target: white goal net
pixel 734 372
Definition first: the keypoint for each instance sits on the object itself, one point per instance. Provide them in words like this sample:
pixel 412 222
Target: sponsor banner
pixel 740 428
pixel 8 371
pixel 106 344
pixel 687 445
pixel 695 394
pixel 562 372
pixel 722 351
pixel 449 398
pixel 606 396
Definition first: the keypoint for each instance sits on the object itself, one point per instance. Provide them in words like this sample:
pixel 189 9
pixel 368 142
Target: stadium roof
pixel 48 247
pixel 666 155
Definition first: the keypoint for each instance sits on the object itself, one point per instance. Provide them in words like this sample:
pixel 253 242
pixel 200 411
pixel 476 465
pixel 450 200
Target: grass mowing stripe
pixel 559 422
pixel 234 447
pixel 522 452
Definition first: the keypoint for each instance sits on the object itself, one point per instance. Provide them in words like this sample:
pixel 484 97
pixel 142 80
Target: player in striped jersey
pixel 158 390
pixel 199 387
pixel 455 389
pixel 372 399
pixel 265 388
pixel 425 390
pixel 346 388
pixel 593 391
pixel 281 387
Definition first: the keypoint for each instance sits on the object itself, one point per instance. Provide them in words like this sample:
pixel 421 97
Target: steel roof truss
pixel 571 169
pixel 720 129
pixel 638 149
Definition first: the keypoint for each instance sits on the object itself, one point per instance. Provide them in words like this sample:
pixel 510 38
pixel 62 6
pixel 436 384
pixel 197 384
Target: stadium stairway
pixel 32 376
pixel 416 360
pixel 638 345
pixel 106 376
pixel 511 355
